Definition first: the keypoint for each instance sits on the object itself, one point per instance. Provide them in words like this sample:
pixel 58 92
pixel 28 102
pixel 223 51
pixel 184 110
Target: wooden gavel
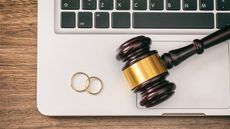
pixel 146 71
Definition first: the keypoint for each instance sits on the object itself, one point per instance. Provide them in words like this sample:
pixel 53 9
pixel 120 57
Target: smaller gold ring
pixel 101 85
pixel 86 84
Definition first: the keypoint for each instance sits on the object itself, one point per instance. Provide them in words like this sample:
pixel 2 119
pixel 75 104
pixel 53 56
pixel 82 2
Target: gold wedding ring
pixel 100 85
pixel 87 83
pixel 86 86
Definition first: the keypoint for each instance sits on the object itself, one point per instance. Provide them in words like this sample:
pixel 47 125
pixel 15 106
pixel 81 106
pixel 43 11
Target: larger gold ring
pixel 86 83
pixel 101 85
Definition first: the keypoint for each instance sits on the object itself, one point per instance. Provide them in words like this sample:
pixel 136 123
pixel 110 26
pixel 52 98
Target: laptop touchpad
pixel 202 81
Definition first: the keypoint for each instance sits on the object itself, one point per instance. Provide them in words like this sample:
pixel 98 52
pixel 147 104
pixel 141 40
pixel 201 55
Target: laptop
pixel 83 36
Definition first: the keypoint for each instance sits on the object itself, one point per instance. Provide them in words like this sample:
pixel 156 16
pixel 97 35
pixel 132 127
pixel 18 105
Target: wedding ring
pixel 87 83
pixel 90 80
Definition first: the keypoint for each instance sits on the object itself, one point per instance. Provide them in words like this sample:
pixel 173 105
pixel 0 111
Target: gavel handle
pixel 175 57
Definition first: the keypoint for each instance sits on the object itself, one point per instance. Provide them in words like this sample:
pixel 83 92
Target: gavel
pixel 146 71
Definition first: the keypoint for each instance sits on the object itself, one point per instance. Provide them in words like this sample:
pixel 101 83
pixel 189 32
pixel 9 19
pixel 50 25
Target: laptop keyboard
pixel 140 16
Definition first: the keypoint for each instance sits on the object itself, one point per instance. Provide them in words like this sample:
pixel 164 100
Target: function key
pixel 139 4
pixel 189 4
pixel 120 20
pixel 173 4
pixel 85 20
pixel 89 4
pixel 106 4
pixel 123 4
pixel 223 4
pixel 156 4
pixel 206 4
pixel 68 20
pixel 70 4
pixel 101 20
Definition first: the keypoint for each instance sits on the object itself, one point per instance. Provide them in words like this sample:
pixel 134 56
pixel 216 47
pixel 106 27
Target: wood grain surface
pixel 18 83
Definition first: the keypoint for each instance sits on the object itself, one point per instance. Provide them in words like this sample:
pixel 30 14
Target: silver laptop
pixel 83 36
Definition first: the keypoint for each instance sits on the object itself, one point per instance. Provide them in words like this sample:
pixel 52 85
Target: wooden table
pixel 18 83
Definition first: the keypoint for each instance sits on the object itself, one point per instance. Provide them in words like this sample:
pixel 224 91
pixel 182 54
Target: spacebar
pixel 173 20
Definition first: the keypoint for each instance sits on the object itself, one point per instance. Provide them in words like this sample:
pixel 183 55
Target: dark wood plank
pixel 18 83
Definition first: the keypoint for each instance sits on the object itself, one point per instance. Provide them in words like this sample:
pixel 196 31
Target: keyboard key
pixel 173 4
pixel 101 20
pixel 84 20
pixel 223 4
pixel 70 4
pixel 106 4
pixel 68 20
pixel 139 4
pixel 189 4
pixel 222 19
pixel 156 4
pixel 89 4
pixel 173 20
pixel 123 4
pixel 120 20
pixel 206 4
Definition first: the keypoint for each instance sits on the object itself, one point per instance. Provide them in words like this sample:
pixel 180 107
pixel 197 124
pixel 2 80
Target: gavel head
pixel 145 71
